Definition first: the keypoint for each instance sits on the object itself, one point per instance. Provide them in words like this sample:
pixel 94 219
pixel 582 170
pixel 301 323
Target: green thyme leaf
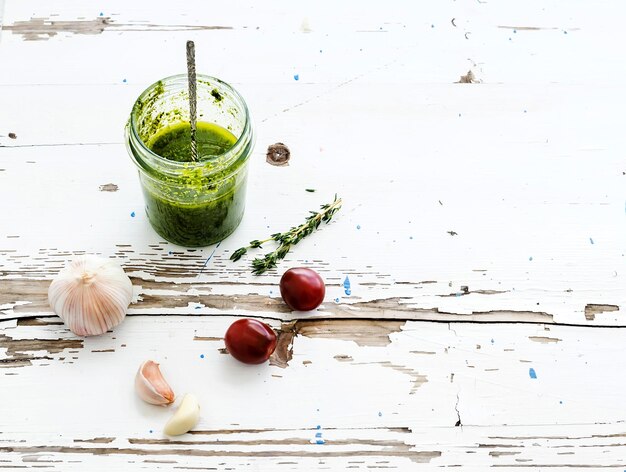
pixel 288 239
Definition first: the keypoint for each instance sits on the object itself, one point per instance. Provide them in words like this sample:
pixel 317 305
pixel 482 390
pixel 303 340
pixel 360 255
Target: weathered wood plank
pixel 386 391
pixel 373 366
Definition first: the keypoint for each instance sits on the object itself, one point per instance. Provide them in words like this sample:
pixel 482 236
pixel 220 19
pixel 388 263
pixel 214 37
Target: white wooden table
pixel 483 237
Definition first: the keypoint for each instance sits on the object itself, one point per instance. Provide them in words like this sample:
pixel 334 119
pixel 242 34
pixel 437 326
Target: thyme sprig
pixel 287 239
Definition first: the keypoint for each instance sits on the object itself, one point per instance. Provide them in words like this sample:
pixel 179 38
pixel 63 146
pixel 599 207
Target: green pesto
pixel 148 125
pixel 216 95
pixel 174 142
pixel 202 207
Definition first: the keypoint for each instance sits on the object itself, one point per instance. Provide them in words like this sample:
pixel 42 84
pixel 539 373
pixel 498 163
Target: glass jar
pixel 200 202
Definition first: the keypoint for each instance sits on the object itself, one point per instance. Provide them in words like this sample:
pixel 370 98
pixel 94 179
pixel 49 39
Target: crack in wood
pixel 17 350
pixel 491 446
pixel 251 302
pixel 592 309
pixel 43 28
pixel 503 453
pixel 544 339
pixel 99 440
pixel 21 361
pixel 387 429
pixel 399 308
pixel 207 338
pixel 458 423
pixel 284 346
pixel 25 296
pixel 343 358
pixel 270 442
pixel 559 465
pixel 53 321
pixel 462 293
pixel 109 188
pixel 401 450
pixel 363 332
pixel 34 292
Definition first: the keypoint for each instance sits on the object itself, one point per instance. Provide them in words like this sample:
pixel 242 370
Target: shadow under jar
pixel 191 203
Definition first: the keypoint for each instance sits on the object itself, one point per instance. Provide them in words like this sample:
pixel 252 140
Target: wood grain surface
pixel 474 313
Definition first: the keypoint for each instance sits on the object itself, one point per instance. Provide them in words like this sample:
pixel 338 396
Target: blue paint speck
pixel 591 240
pixel 151 431
pixel 296 76
pixel 532 373
pixel 524 111
pixel 560 402
pixel 197 307
pixel 510 39
pixel 318 435
pixel 564 32
pixel 458 294
pixel 124 80
pixel 492 341
pixel 102 14
pixel 432 26
pixel 318 426
pixel 410 237
pixel 320 441
pixel 530 258
pixel 132 214
pixel 271 292
pixel 169 252
pixel 336 301
pixel 459 115
pixel 358 226
pixel 201 356
pixel 346 286
pixel 514 31
pixel 380 413
pixel 320 51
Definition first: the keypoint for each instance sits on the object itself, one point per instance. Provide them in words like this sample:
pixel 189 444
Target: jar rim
pixel 225 158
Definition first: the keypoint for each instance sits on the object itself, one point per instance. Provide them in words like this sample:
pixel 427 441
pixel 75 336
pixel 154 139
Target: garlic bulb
pixel 91 295
pixel 151 386
pixel 185 418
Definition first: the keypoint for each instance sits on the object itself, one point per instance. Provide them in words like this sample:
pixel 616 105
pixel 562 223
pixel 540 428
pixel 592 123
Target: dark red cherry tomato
pixel 302 289
pixel 250 341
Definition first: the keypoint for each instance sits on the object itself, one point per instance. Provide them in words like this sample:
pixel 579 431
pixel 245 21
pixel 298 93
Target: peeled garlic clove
pixel 185 418
pixel 151 386
pixel 91 295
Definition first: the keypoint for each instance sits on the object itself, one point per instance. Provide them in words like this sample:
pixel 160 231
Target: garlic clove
pixel 185 418
pixel 151 386
pixel 91 295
